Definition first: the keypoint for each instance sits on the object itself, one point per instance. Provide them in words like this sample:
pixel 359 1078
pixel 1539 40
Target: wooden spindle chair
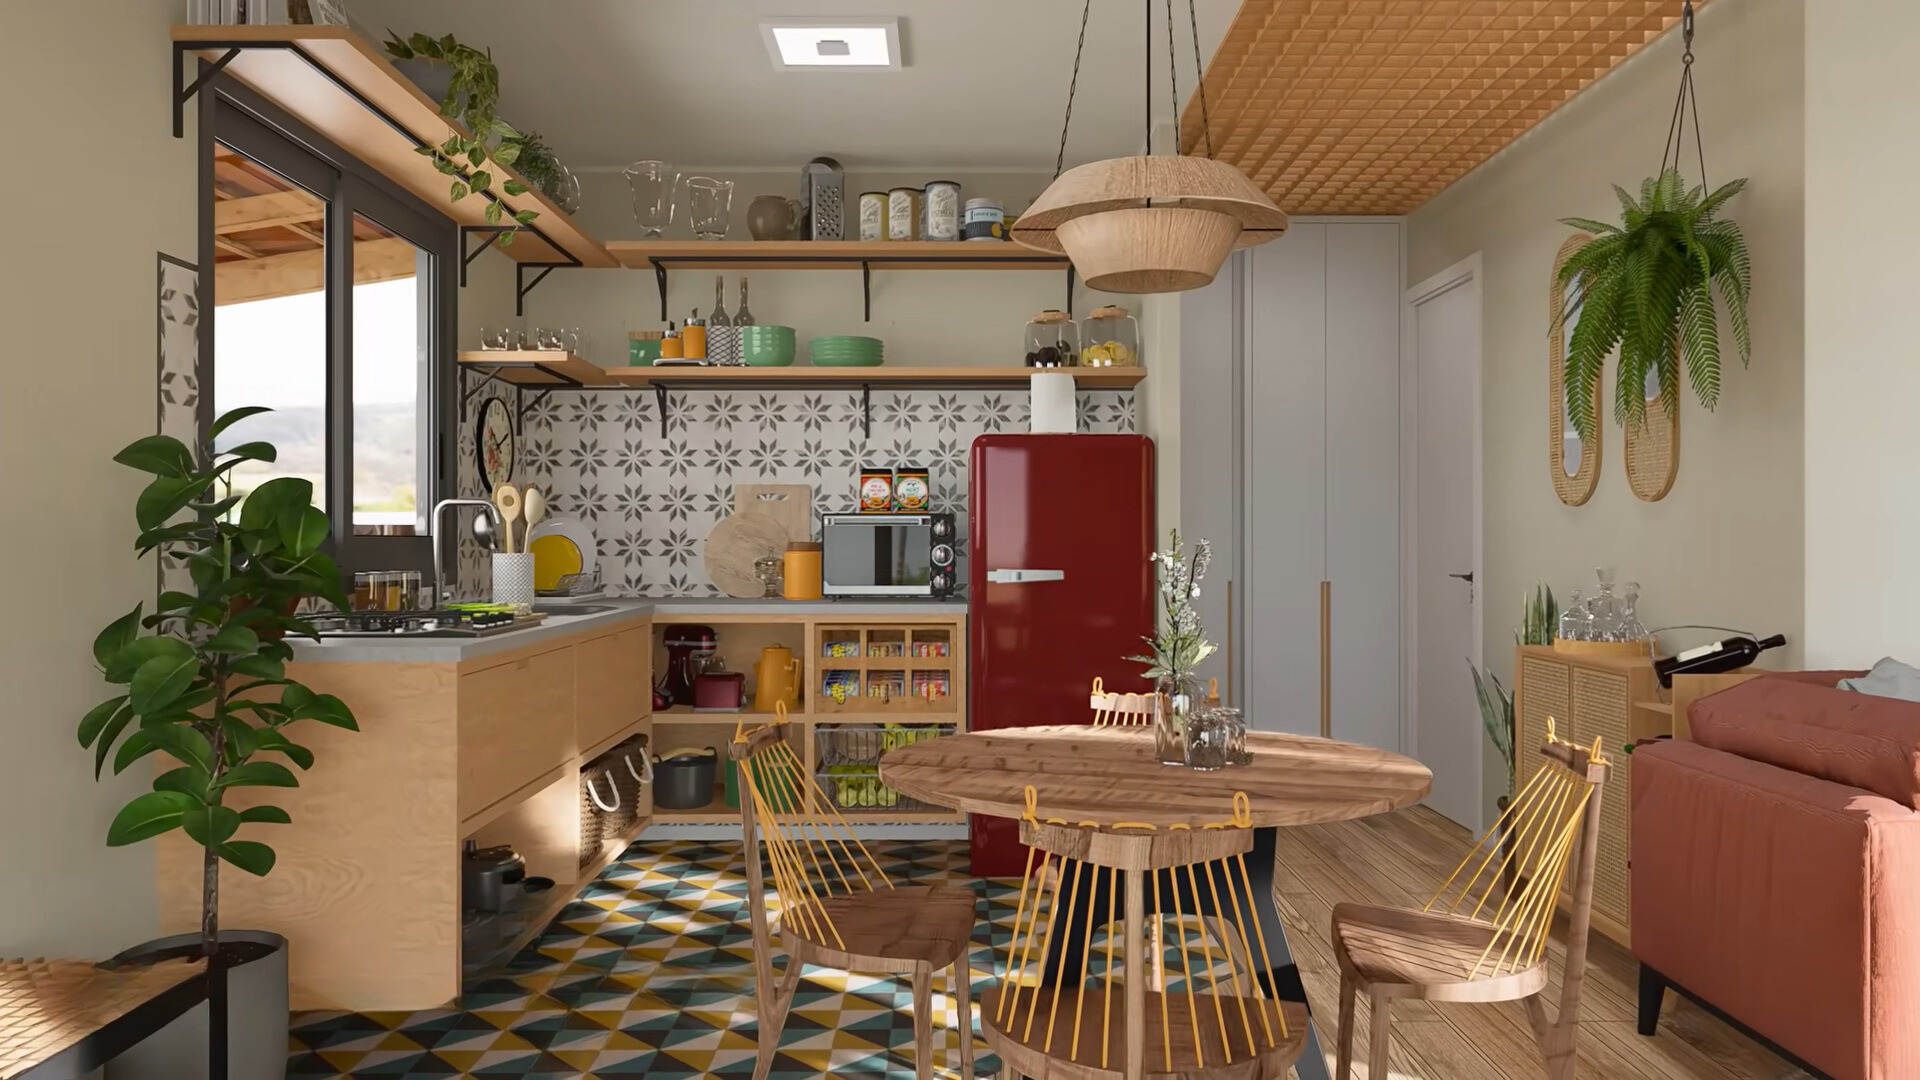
pixel 1119 710
pixel 1484 939
pixel 837 907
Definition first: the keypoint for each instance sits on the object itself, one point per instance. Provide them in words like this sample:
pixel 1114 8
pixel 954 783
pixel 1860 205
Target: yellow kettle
pixel 776 678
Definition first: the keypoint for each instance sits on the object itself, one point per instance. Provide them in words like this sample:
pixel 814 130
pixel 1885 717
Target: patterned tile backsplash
pixel 651 500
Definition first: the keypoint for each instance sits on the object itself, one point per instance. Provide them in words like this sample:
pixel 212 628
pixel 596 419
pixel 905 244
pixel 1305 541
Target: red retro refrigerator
pixel 1059 588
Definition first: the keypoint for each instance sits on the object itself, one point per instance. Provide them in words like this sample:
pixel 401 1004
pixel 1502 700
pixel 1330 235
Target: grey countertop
pixel 414 650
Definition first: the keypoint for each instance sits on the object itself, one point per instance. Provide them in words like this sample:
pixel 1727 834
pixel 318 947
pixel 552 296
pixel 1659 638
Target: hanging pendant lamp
pixel 1153 223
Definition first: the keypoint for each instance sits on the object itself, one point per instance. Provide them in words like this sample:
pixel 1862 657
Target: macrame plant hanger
pixel 1686 101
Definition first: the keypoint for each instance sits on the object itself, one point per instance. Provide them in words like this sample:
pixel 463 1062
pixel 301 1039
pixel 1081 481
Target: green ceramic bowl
pixel 766 333
pixel 769 353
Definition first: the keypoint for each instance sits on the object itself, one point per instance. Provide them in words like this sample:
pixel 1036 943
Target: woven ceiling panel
pixel 1373 106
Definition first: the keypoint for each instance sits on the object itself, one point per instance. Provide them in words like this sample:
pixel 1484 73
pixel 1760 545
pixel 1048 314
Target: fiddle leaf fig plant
pixel 202 678
pixel 470 100
pixel 1647 286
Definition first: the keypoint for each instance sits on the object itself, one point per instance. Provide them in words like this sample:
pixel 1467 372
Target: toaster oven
pixel 887 555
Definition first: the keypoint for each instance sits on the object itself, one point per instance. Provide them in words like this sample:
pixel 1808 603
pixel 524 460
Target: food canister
pixel 873 215
pixel 985 220
pixel 912 490
pixel 943 210
pixel 693 338
pixel 800 577
pixel 876 490
pixel 903 214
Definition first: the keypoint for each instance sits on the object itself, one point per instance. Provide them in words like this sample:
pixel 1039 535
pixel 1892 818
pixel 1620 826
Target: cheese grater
pixel 823 189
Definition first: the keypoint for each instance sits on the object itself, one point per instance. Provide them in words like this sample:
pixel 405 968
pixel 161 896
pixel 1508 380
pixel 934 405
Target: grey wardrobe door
pixel 1285 469
pixel 1363 480
pixel 1210 339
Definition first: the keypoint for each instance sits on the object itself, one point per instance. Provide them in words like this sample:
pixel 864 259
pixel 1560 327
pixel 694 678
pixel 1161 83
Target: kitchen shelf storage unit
pixel 816 718
pixel 865 256
pixel 346 89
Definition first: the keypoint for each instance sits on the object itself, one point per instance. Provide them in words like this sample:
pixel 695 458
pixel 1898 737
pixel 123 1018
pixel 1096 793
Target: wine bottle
pixel 1727 654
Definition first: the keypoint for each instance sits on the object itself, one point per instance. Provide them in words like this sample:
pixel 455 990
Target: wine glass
pixel 651 184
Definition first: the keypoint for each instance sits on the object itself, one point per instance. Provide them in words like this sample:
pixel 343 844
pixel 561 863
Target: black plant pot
pixel 256 969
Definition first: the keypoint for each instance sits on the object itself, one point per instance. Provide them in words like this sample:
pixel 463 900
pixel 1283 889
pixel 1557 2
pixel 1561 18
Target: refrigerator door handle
pixel 1016 577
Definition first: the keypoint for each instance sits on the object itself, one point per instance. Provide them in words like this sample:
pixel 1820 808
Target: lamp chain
pixel 1688 100
pixel 1200 79
pixel 1060 161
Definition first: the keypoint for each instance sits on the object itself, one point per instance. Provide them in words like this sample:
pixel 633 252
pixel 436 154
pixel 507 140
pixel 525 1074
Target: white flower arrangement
pixel 1178 645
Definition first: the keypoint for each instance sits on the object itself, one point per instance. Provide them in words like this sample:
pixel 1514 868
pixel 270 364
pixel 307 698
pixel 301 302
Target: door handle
pixel 1466 577
pixel 1017 577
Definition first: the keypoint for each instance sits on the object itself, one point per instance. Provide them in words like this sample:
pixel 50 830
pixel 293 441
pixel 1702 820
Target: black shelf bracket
pixel 866 410
pixel 184 94
pixel 1070 280
pixel 469 254
pixel 521 286
pixel 660 398
pixel 490 374
pixel 866 290
pixel 660 278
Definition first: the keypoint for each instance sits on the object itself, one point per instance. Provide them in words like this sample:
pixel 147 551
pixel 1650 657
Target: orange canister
pixel 801 571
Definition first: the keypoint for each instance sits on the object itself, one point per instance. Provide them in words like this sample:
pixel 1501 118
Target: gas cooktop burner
pixel 463 624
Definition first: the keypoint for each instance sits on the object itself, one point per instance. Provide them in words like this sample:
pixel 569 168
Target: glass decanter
pixel 1631 628
pixel 1576 622
pixel 1605 607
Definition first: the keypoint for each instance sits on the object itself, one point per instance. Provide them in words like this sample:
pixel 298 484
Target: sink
pixel 572 609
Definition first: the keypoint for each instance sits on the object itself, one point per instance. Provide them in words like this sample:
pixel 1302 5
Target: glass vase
pixel 1175 698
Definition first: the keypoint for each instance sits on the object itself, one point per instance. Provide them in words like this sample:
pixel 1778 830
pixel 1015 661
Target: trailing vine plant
pixel 470 100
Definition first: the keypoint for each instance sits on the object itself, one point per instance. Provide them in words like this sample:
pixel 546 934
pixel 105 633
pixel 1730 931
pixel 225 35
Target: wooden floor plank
pixel 1400 858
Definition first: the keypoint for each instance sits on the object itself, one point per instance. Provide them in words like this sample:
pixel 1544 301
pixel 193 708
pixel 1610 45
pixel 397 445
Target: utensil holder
pixel 513 579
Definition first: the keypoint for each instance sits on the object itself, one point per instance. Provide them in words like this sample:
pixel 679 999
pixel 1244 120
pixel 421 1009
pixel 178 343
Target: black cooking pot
pixel 487 877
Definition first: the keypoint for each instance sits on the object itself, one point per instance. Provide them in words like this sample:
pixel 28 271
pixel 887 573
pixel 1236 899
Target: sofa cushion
pixel 1811 727
pixel 1889 678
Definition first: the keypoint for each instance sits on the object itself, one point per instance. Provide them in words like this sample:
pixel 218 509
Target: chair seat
pixel 887 929
pixel 1407 948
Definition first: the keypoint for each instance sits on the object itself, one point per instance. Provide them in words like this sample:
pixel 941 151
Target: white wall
pixel 1725 546
pixel 1862 378
pixel 82 313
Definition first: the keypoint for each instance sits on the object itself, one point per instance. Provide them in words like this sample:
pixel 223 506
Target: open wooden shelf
pixel 537 367
pixel 344 87
pixel 538 913
pixel 833 255
pixel 885 376
pixel 715 812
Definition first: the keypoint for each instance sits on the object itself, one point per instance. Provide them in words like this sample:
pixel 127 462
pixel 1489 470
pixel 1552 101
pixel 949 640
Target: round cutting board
pixel 735 544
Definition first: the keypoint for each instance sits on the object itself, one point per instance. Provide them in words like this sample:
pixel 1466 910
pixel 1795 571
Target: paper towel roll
pixel 1054 411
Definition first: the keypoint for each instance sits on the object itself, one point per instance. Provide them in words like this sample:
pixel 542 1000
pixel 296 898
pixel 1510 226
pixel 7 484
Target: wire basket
pixel 866 744
pixel 858 787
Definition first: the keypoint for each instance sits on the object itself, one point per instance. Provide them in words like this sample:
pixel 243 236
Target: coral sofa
pixel 1776 871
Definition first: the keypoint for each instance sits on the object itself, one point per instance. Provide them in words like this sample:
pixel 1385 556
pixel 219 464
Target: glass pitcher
pixel 651 184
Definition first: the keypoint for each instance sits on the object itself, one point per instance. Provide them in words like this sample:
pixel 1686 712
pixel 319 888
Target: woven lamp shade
pixel 1149 224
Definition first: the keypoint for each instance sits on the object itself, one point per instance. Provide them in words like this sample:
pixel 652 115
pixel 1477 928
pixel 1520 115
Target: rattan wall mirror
pixel 1575 464
pixel 1653 448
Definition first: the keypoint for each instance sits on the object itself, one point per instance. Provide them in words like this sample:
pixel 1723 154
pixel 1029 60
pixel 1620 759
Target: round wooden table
pixel 1109 776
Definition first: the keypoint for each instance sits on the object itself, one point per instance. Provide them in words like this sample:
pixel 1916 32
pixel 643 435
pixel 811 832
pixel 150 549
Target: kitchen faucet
pixel 439 599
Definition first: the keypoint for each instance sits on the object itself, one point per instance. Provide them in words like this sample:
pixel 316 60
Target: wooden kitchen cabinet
pixel 613 679
pixel 516 724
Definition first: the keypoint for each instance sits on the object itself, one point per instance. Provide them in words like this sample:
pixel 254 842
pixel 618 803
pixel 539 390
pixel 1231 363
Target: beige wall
pixel 1863 150
pixel 80 308
pixel 1725 546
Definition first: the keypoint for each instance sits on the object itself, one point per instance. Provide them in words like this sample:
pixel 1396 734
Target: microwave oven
pixel 887 555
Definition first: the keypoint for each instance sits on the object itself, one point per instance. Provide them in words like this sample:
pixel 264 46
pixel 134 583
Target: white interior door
pixel 1444 536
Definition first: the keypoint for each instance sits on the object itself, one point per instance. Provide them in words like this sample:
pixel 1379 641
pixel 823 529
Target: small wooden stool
pixel 68 1017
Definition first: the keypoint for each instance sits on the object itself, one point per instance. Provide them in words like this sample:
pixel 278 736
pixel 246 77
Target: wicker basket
pixel 600 809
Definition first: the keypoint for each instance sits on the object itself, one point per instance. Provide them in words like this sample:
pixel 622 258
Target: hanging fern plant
pixel 1647 288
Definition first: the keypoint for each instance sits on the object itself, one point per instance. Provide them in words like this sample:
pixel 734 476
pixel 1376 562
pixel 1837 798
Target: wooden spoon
pixel 536 510
pixel 506 498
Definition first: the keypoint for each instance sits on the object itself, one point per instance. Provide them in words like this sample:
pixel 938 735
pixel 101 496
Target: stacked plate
pixel 847 351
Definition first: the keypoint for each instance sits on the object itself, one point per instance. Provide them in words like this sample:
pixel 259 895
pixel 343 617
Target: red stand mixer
pixel 689 647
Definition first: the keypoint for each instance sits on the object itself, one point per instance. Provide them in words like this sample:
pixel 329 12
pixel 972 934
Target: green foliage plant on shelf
pixel 203 678
pixel 470 101
pixel 1539 619
pixel 1647 287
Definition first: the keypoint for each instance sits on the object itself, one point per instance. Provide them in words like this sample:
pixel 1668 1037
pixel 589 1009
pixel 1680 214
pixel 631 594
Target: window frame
pixel 236 116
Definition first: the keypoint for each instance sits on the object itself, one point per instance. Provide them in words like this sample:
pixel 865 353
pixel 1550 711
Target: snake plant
pixel 1646 286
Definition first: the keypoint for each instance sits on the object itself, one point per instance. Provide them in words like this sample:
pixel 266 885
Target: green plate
pixel 847 361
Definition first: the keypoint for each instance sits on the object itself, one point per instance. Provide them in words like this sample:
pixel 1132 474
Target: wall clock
pixel 495 444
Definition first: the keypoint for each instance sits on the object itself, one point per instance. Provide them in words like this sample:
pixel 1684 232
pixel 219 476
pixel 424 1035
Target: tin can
pixel 985 219
pixel 943 210
pixel 903 214
pixel 912 490
pixel 876 490
pixel 873 215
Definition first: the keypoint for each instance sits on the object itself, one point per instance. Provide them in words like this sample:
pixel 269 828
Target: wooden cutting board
pixel 735 544
pixel 789 504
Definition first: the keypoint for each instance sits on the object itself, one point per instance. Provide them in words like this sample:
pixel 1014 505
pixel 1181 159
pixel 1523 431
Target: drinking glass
pixel 651 184
pixel 495 339
pixel 709 202
pixel 551 338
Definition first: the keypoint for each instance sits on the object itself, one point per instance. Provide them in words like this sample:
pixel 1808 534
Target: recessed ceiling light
pixel 808 43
